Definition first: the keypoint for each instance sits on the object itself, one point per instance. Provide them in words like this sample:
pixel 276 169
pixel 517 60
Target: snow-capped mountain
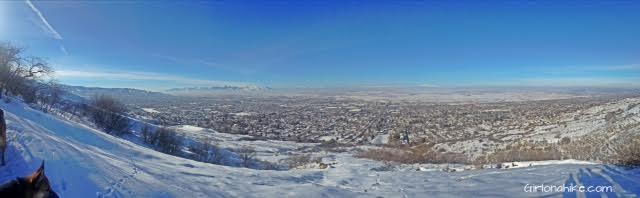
pixel 126 95
pixel 88 92
pixel 217 89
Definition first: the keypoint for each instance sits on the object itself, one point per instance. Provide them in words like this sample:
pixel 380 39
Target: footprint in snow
pixel 189 165
pixel 63 185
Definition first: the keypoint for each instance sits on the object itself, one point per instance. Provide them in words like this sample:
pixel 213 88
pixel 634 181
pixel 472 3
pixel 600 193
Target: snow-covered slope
pixel 83 162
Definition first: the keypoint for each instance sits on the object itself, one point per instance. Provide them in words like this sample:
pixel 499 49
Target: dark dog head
pixel 1 114
pixel 37 185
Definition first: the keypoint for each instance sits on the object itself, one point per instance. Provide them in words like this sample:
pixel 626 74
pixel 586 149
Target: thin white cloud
pixel 64 50
pixel 428 85
pixel 592 68
pixel 46 26
pixel 630 67
pixel 200 62
pixel 44 21
pixel 143 76
pixel 581 81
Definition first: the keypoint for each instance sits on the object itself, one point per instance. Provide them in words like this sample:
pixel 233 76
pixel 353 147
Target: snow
pixel 83 162
pixel 591 122
pixel 150 110
pixel 241 114
pixel 542 163
pixel 381 139
pixel 190 128
pixel 327 138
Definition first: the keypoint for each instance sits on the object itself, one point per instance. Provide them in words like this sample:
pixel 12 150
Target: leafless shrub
pixel 628 154
pixel 334 146
pixel 590 148
pixel 388 166
pixel 584 148
pixel 266 165
pixel 107 113
pixel 419 154
pixel 201 151
pixel 388 155
pixel 51 93
pixel 253 138
pixel 147 134
pixel 448 157
pixel 19 74
pixel 28 92
pixel 217 155
pixel 247 156
pixel 565 140
pixel 524 152
pixel 205 151
pixel 301 160
pixel 168 141
pixel 631 106
pixel 610 117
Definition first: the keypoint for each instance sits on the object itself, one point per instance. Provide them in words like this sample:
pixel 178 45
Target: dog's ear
pixel 41 168
pixel 36 176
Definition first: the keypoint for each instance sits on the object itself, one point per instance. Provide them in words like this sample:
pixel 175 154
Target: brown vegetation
pixel 523 152
pixel 628 155
pixel 412 155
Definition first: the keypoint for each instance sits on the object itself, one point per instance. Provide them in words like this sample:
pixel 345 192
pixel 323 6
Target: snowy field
pixel 83 162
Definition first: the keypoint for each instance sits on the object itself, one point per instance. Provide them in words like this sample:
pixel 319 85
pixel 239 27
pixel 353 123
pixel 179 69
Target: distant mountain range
pixel 81 93
pixel 126 95
pixel 216 89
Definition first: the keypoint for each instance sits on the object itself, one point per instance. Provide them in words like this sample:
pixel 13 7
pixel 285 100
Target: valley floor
pixel 83 162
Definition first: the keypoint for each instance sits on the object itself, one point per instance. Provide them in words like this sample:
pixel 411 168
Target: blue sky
pixel 159 45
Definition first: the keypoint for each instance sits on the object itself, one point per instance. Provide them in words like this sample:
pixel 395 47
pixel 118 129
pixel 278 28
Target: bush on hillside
pixel 628 154
pixel 108 114
pixel 301 160
pixel 247 156
pixel 524 153
pixel 419 154
pixel 167 141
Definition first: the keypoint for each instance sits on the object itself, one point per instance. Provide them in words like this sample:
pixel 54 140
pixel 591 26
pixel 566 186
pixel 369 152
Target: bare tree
pixel 21 75
pixel 10 56
pixel 36 67
pixel 300 160
pixel 201 150
pixel 147 134
pixel 217 155
pixel 108 114
pixel 55 93
pixel 628 154
pixel 49 95
pixel 28 92
pixel 168 141
pixel 247 156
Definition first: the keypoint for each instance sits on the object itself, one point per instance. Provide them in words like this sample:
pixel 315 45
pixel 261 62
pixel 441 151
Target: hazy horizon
pixel 162 45
pixel 386 88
